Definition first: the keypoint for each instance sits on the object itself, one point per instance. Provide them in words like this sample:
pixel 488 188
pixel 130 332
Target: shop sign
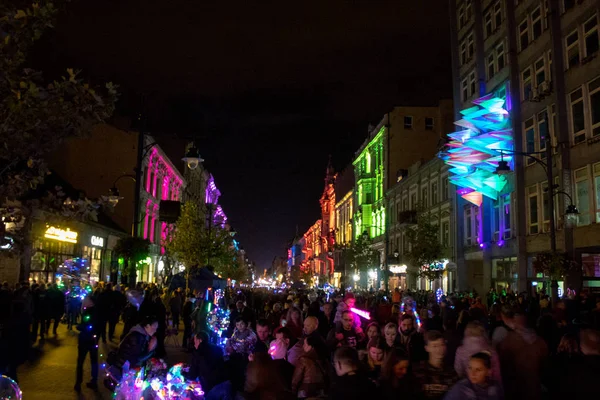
pixel 398 269
pixel 437 266
pixel 62 235
pixel 97 241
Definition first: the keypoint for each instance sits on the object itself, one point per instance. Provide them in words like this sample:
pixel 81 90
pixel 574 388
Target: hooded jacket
pixel 134 347
pixel 474 345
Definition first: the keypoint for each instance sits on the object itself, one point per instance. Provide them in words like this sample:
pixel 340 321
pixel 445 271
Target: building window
pixel 500 56
pixel 461 16
pixel 582 196
pixel 567 5
pixel 445 183
pixel 491 65
pixel 489 24
pixel 472 82
pixel 542 133
pixel 572 42
pixel 463 52
pixel 524 34
pixel 429 123
pixel 498 14
pixel 540 72
pixel 434 193
pixel 526 83
pixel 497 219
pixel 532 210
pixel 424 197
pixel 468 215
pixel 597 190
pixel 505 208
pixel 470 46
pixel 594 91
pixel 577 116
pixel 465 89
pixel 546 207
pixel 536 23
pixel 446 233
pixel 413 201
pixel 590 34
pixel 468 10
pixel 529 129
pixel 408 122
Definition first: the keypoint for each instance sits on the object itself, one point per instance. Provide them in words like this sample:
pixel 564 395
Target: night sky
pixel 268 88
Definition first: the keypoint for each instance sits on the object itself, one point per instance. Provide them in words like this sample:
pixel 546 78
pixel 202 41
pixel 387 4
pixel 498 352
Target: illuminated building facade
pixel 424 188
pixel 344 210
pixel 162 181
pixel 404 136
pixel 539 59
pixel 216 215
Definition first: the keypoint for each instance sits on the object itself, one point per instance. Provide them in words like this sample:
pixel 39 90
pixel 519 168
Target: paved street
pixel 51 373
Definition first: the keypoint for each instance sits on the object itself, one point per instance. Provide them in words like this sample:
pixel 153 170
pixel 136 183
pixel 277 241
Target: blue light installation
pixel 474 151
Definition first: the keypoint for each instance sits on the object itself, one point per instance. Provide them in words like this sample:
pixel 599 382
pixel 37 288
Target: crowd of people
pixel 343 345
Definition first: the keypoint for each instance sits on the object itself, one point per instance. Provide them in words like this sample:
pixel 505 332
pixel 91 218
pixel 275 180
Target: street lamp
pixel 192 158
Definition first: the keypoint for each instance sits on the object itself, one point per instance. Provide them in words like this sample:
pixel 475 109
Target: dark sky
pixel 268 88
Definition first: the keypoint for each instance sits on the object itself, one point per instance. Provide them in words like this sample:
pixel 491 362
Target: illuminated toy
pixel 9 389
pixel 361 313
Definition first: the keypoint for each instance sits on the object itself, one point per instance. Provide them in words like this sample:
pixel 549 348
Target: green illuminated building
pixel 369 173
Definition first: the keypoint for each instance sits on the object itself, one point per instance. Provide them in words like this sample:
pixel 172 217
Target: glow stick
pixel 362 313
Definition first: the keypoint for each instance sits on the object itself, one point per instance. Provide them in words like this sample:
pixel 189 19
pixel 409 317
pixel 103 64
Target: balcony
pixel 407 217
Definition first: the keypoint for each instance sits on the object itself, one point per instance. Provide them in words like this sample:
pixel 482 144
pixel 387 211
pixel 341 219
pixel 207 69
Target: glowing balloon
pixel 9 389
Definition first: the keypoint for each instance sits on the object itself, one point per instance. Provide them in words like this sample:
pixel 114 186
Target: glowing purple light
pixel 500 243
pixel 361 313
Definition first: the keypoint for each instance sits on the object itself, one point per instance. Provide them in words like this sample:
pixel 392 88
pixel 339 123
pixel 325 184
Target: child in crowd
pixel 479 385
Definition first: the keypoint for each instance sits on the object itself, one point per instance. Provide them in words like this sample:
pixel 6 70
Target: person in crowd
pixel 345 334
pixel 41 311
pixel 346 305
pixel 207 364
pixel 241 311
pixel 293 321
pixel 242 340
pixel 310 375
pixel 522 356
pixel 329 315
pixel 264 381
pixel 139 344
pixel 434 323
pixel 351 383
pixel 396 378
pixel 411 341
pixel 73 307
pixel 278 350
pixel 373 330
pixel 56 306
pixel 433 377
pixel 476 341
pixel 392 341
pixel 175 306
pixel 274 316
pixel 89 333
pixel 263 333
pixel 579 377
pixel 479 384
pixel 311 325
pixel 117 303
pixel 375 352
pixel 186 316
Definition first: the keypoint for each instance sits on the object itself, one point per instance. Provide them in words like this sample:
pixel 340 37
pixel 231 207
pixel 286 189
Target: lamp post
pixel 570 213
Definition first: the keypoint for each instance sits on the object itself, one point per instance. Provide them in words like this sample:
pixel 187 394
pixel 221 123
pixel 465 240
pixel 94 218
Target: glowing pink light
pixel 362 313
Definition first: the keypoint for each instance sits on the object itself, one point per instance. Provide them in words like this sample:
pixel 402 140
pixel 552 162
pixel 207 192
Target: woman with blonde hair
pixel 475 341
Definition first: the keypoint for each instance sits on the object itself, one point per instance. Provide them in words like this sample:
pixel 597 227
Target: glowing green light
pixel 368 158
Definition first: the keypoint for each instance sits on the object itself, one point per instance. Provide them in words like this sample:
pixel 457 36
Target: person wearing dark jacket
pixel 350 383
pixel 188 309
pixel 207 363
pixel 139 344
pixel 89 332
pixel 117 301
pixel 579 378
pixel 56 306
pixel 344 334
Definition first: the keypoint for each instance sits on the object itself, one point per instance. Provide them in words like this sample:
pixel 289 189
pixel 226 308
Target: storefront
pixel 446 280
pixel 505 274
pixel 56 247
pixel 590 265
pixel 398 277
